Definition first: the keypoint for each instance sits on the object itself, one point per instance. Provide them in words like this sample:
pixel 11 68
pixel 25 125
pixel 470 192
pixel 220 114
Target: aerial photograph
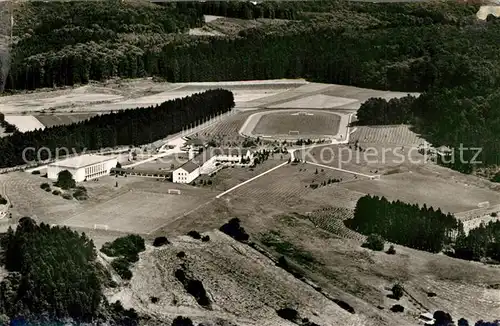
pixel 250 163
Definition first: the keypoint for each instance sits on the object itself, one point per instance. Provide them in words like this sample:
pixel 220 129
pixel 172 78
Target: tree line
pixel 126 127
pixel 401 48
pixel 416 227
pixel 424 228
pixel 54 276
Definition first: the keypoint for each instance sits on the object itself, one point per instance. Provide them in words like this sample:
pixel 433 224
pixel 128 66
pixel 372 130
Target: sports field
pixel 134 211
pixel 305 123
pixel 295 124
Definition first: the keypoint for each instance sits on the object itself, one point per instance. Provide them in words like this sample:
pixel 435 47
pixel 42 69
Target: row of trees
pixel 409 225
pixel 380 111
pixel 134 126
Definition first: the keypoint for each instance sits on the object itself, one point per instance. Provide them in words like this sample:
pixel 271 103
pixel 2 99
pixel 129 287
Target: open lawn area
pixel 420 189
pixel 135 212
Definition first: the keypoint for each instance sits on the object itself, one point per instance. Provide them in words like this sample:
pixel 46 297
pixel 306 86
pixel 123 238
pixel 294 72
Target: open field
pixel 289 186
pixel 135 211
pixel 374 159
pixel 306 123
pixel 419 189
pixel 62 119
pixel 24 122
pixel 397 135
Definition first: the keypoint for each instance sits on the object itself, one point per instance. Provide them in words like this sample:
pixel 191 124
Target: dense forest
pixel 425 229
pixel 134 126
pixel 53 276
pixel 409 225
pixel 438 48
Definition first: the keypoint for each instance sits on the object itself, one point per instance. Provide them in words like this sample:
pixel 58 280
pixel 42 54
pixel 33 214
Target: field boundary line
pixel 250 180
pixel 344 170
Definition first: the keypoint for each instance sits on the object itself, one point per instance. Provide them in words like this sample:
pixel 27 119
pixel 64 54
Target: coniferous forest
pixel 424 228
pixel 135 126
pixel 54 276
pixel 438 48
pixel 409 225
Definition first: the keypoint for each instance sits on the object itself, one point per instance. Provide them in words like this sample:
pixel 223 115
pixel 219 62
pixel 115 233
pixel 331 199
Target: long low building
pixel 192 169
pixel 84 167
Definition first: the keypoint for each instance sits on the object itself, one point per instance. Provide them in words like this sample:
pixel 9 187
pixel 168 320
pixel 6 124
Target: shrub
pixel 154 299
pixel 65 180
pixel 48 189
pixel 160 241
pixel 3 201
pixel 374 242
pixel 494 214
pixel 391 250
pixel 234 230
pixel 121 266
pixel 397 291
pixel 181 254
pixel 35 172
pixel 80 194
pixel 442 318
pixel 182 321
pixel 288 314
pixel 194 234
pixel 128 247
pixel 66 196
pixel 344 305
pixel 56 192
pixel 44 185
pixel 205 238
pixel 431 294
pixel 397 308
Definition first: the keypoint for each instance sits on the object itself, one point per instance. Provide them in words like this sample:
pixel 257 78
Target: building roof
pixel 82 161
pixel 203 157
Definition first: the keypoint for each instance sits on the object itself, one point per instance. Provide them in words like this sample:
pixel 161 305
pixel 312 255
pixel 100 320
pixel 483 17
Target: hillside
pixel 244 286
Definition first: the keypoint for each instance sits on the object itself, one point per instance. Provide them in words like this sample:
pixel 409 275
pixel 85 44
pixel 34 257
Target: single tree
pixel 65 180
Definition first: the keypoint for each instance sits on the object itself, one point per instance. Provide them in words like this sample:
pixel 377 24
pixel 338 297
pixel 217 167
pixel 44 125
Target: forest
pixel 135 126
pixel 438 48
pixel 53 276
pixel 409 225
pixel 424 228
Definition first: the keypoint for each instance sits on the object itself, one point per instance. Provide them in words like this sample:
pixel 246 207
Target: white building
pixel 84 167
pixel 204 162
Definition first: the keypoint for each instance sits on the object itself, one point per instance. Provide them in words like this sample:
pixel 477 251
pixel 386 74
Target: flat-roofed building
pixel 84 167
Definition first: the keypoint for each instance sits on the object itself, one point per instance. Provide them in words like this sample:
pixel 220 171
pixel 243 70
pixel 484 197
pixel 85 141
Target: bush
pixel 154 299
pixel 205 238
pixel 344 305
pixel 35 172
pixel 234 230
pixel 374 242
pixel 121 266
pixel 181 254
pixel 397 291
pixel 44 185
pixel 397 308
pixel 66 196
pixel 182 321
pixel 65 180
pixel 56 192
pixel 3 201
pixel 160 241
pixel 80 194
pixel 494 214
pixel 194 234
pixel 288 314
pixel 391 250
pixel 127 247
pixel 48 189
